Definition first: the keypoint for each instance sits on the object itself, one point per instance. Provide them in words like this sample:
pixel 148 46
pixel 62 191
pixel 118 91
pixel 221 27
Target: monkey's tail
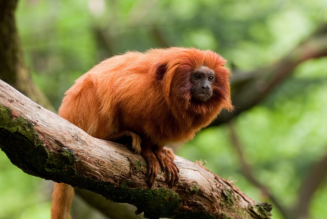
pixel 61 200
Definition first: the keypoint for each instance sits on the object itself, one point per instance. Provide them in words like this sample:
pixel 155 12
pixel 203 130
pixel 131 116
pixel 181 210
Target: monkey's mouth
pixel 203 97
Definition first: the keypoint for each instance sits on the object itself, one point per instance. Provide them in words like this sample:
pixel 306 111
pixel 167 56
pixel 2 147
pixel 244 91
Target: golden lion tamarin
pixel 158 97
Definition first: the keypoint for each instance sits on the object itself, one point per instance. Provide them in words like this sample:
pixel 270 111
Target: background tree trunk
pixel 13 69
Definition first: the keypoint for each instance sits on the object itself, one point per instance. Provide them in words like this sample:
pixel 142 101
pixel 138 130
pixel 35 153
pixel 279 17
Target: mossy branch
pixel 44 145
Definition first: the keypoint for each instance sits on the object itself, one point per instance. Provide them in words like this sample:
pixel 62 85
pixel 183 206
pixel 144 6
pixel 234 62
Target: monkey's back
pixel 115 95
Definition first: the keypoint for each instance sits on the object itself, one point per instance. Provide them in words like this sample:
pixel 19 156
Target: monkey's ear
pixel 160 71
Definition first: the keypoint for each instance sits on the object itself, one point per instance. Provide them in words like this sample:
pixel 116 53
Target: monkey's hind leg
pixel 165 157
pixel 136 139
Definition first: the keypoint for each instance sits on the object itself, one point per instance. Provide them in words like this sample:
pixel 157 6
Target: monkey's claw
pixel 169 167
pixel 172 172
pixel 153 165
pixel 152 172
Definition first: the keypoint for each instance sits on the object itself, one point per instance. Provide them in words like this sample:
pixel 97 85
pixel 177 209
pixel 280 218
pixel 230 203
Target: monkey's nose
pixel 205 87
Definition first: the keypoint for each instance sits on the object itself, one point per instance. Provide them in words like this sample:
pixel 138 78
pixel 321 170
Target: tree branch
pixel 159 37
pixel 44 145
pixel 309 186
pixel 248 173
pixel 249 89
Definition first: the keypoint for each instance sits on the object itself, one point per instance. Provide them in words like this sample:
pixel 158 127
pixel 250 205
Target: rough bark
pixel 44 145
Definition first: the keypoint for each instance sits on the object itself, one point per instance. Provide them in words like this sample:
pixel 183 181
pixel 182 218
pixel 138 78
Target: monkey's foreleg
pixel 151 160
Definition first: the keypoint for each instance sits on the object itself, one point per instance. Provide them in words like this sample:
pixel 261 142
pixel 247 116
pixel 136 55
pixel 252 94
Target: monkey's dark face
pixel 202 79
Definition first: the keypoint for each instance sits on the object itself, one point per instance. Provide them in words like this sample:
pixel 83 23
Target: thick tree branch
pixel 249 89
pixel 44 145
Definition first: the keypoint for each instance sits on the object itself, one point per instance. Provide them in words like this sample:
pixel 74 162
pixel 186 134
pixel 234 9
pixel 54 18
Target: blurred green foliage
pixel 282 137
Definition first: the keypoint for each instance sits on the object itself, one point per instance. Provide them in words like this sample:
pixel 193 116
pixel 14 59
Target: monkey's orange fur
pixel 122 93
pixel 61 200
pixel 146 95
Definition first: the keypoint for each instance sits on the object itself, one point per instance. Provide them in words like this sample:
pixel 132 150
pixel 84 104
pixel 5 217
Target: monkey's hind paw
pixel 168 165
pixel 152 164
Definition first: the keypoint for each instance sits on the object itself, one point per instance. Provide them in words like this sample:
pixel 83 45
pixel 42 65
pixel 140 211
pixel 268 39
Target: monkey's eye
pixel 211 78
pixel 196 76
